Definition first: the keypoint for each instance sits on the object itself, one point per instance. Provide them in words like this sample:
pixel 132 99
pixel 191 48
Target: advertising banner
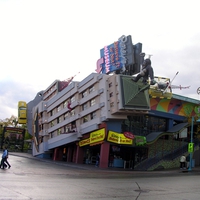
pixel 140 140
pixel 95 137
pixel 117 55
pixel 118 138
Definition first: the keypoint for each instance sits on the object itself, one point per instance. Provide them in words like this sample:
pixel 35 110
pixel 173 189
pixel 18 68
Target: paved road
pixel 36 179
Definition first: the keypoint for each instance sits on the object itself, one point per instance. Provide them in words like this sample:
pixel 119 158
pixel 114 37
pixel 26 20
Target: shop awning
pixel 153 136
pixel 62 140
pixel 177 128
pixel 174 130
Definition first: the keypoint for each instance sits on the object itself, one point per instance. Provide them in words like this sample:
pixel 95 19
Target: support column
pixel 74 149
pixel 69 154
pixel 79 155
pixel 55 154
pixel 104 155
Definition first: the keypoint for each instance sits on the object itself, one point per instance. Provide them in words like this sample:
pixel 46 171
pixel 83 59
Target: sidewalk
pixel 67 164
pixel 92 167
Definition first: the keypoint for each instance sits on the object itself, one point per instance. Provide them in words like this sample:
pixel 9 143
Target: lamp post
pixel 191 141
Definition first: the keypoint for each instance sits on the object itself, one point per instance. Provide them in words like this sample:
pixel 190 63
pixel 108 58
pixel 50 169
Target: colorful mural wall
pixel 175 106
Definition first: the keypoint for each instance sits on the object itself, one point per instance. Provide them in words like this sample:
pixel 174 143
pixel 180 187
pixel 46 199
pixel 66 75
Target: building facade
pixel 112 116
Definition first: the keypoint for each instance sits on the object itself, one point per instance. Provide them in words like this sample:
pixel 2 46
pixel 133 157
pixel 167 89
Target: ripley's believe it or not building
pixel 131 125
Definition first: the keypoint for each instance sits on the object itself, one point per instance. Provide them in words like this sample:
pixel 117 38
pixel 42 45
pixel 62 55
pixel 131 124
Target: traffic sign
pixel 191 147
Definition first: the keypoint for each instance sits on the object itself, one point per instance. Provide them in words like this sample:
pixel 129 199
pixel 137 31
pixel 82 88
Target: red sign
pixel 129 135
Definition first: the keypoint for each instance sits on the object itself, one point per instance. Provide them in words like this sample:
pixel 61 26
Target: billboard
pixel 116 56
pixel 13 138
pixel 22 112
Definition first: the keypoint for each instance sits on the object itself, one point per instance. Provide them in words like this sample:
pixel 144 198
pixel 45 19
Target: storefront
pixel 126 150
pixel 92 145
pixel 121 150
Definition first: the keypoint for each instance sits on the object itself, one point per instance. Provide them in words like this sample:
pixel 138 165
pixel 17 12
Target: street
pixel 41 179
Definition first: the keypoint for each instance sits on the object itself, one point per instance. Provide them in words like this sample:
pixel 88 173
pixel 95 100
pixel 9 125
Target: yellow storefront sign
pixel 96 136
pixel 84 142
pixel 118 138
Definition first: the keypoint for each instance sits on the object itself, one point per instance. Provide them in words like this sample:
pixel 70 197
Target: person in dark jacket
pixel 4 161
pixel 147 71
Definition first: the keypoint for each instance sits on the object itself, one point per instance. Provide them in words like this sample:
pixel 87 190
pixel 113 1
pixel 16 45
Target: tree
pixel 12 121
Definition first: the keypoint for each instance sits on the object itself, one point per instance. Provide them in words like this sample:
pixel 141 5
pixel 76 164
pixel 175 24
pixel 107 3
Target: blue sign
pixel 116 56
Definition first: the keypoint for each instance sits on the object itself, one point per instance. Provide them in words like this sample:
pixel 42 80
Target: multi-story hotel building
pixel 113 116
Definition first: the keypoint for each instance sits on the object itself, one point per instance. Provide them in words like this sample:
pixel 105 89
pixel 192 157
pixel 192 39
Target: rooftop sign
pixel 116 56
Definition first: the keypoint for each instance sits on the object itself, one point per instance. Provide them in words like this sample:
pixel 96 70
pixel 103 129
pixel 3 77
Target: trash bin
pixel 193 162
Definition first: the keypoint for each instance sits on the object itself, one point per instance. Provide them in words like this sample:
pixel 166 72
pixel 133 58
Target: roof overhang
pixel 62 140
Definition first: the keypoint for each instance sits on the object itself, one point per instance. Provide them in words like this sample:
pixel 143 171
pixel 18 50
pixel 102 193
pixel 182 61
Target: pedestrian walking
pixel 182 162
pixel 4 161
pixel 97 160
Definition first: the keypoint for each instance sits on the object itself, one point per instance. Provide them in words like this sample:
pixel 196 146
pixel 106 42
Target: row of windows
pixel 71 127
pixel 88 117
pixel 91 103
pixel 72 113
pixel 62 105
pixel 88 91
pixel 143 125
pixel 72 99
pixel 49 91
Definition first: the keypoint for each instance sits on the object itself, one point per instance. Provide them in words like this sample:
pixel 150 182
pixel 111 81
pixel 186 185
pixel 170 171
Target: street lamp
pixel 191 141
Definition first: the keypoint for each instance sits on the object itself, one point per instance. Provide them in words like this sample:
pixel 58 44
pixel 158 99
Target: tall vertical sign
pixel 116 56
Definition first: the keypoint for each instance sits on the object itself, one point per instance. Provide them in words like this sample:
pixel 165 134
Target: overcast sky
pixel 45 40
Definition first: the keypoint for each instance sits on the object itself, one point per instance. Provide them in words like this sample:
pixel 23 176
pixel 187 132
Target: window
pixel 91 89
pixel 65 104
pixel 68 128
pixel 111 94
pixel 84 106
pixel 85 119
pixel 93 115
pixel 157 124
pixel 143 125
pixel 72 112
pixel 59 131
pixel 110 85
pixel 59 120
pixel 92 102
pixel 52 124
pixel 72 99
pixel 84 94
pixel 73 127
pixel 51 113
pixel 66 115
pixel 58 108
